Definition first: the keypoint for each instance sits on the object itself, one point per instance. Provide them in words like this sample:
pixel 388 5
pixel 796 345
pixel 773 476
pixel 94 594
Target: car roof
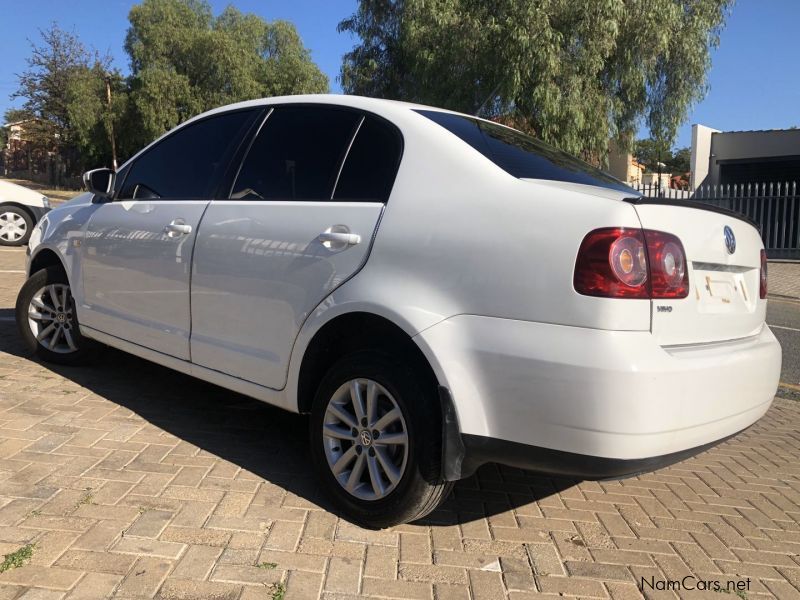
pixel 378 106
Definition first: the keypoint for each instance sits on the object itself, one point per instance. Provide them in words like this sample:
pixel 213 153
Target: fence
pixel 774 207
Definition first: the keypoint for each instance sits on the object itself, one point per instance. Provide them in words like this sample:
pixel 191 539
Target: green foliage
pixel 278 591
pixel 650 152
pixel 184 61
pixel 17 558
pixel 574 72
pixel 59 120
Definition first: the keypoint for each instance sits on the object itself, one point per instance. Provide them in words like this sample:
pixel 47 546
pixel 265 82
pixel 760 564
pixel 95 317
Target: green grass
pixel 278 591
pixel 17 558
pixel 266 565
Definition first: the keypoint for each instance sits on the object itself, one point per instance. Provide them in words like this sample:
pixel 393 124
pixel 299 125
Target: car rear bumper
pixel 610 403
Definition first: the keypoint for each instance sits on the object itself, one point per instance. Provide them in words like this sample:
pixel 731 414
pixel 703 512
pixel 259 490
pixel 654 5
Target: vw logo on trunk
pixel 730 240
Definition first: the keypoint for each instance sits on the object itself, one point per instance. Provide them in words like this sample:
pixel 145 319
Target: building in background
pixel 741 157
pixel 624 166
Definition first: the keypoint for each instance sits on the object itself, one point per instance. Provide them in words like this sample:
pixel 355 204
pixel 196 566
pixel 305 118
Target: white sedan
pixel 437 291
pixel 20 209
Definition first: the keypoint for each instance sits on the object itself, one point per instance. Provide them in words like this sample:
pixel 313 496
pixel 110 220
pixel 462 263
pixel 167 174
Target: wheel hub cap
pixel 365 439
pixel 12 227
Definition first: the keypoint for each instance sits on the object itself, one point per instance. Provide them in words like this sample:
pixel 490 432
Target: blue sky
pixel 754 79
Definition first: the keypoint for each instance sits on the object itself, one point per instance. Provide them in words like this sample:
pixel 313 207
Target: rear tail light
pixel 763 286
pixel 618 262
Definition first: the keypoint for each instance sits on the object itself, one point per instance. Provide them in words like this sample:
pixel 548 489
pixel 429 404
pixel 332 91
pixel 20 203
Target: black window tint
pixel 187 163
pixel 522 155
pixel 297 154
pixel 371 165
pixel 119 180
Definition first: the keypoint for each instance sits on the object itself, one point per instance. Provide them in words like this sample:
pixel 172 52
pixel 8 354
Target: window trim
pixel 270 108
pixel 228 158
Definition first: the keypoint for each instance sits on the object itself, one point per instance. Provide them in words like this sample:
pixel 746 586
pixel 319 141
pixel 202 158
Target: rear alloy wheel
pixel 365 439
pixel 46 318
pixel 15 226
pixel 376 440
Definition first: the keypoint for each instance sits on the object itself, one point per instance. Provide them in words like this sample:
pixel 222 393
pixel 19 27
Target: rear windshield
pixel 522 155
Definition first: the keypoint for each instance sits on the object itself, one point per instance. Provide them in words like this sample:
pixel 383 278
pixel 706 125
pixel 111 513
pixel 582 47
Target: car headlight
pixel 45 201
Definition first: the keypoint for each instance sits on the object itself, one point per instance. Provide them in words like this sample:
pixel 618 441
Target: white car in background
pixel 437 291
pixel 20 210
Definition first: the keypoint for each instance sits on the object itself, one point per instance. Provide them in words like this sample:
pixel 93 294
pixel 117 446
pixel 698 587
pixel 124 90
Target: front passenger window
pixel 187 163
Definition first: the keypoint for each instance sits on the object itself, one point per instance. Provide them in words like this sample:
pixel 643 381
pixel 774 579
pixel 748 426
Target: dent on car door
pixel 299 222
pixel 137 251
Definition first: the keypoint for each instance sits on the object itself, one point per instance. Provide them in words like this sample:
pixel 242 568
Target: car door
pixel 137 249
pixel 298 222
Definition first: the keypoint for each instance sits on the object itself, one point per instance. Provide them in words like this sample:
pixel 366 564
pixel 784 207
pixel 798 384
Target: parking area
pixel 125 479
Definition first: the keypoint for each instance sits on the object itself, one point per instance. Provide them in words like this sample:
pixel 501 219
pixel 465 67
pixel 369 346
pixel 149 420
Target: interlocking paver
pixel 134 481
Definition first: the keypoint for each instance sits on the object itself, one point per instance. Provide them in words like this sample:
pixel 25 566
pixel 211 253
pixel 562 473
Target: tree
pixel 681 161
pixel 59 116
pixel 184 61
pixel 650 152
pixel 573 72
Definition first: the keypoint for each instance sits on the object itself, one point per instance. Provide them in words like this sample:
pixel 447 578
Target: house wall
pixel 758 155
pixel 701 154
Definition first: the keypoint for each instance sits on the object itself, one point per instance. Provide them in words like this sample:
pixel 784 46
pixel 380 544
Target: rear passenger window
pixel 187 164
pixel 521 155
pixel 369 171
pixel 297 154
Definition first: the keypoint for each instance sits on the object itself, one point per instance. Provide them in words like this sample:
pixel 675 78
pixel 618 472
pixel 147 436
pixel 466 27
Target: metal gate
pixel 774 207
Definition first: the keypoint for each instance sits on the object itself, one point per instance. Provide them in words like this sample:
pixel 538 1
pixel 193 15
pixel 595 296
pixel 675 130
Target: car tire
pixel 397 482
pixel 45 305
pixel 16 226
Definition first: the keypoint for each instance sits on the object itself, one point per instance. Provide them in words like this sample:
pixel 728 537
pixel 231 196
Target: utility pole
pixel 111 124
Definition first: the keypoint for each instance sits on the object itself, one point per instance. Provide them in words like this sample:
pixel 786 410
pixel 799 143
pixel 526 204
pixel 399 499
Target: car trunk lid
pixel 724 287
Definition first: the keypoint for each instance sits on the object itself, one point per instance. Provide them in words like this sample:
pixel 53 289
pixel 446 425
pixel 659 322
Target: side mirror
pixel 100 182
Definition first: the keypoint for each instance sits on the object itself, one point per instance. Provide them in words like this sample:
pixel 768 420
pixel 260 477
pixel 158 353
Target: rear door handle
pixel 330 237
pixel 177 227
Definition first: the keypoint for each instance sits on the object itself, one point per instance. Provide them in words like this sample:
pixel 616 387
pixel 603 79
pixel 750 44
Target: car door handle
pixel 177 227
pixel 339 238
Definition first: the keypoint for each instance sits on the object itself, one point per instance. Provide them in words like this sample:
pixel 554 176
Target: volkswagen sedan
pixel 435 290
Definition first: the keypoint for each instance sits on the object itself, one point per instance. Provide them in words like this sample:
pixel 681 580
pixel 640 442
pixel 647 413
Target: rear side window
pixel 297 154
pixel 521 155
pixel 187 164
pixel 371 166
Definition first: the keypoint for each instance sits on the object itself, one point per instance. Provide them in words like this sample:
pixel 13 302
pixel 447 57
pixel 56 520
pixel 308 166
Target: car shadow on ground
pixel 266 441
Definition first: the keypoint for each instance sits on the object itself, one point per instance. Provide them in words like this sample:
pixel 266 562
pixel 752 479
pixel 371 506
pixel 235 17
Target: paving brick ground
pixel 136 482
pixel 784 279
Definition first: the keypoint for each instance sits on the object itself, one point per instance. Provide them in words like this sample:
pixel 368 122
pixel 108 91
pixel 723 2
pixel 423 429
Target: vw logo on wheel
pixel 730 240
pixel 366 438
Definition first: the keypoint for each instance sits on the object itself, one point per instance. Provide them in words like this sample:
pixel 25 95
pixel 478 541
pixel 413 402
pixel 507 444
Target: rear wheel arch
pixel 354 332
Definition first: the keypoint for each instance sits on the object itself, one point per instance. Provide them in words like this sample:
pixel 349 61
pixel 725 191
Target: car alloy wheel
pixel 51 317
pixel 13 227
pixel 365 439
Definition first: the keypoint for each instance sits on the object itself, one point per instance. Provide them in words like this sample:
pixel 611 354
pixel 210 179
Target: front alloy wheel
pixel 47 320
pixel 51 318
